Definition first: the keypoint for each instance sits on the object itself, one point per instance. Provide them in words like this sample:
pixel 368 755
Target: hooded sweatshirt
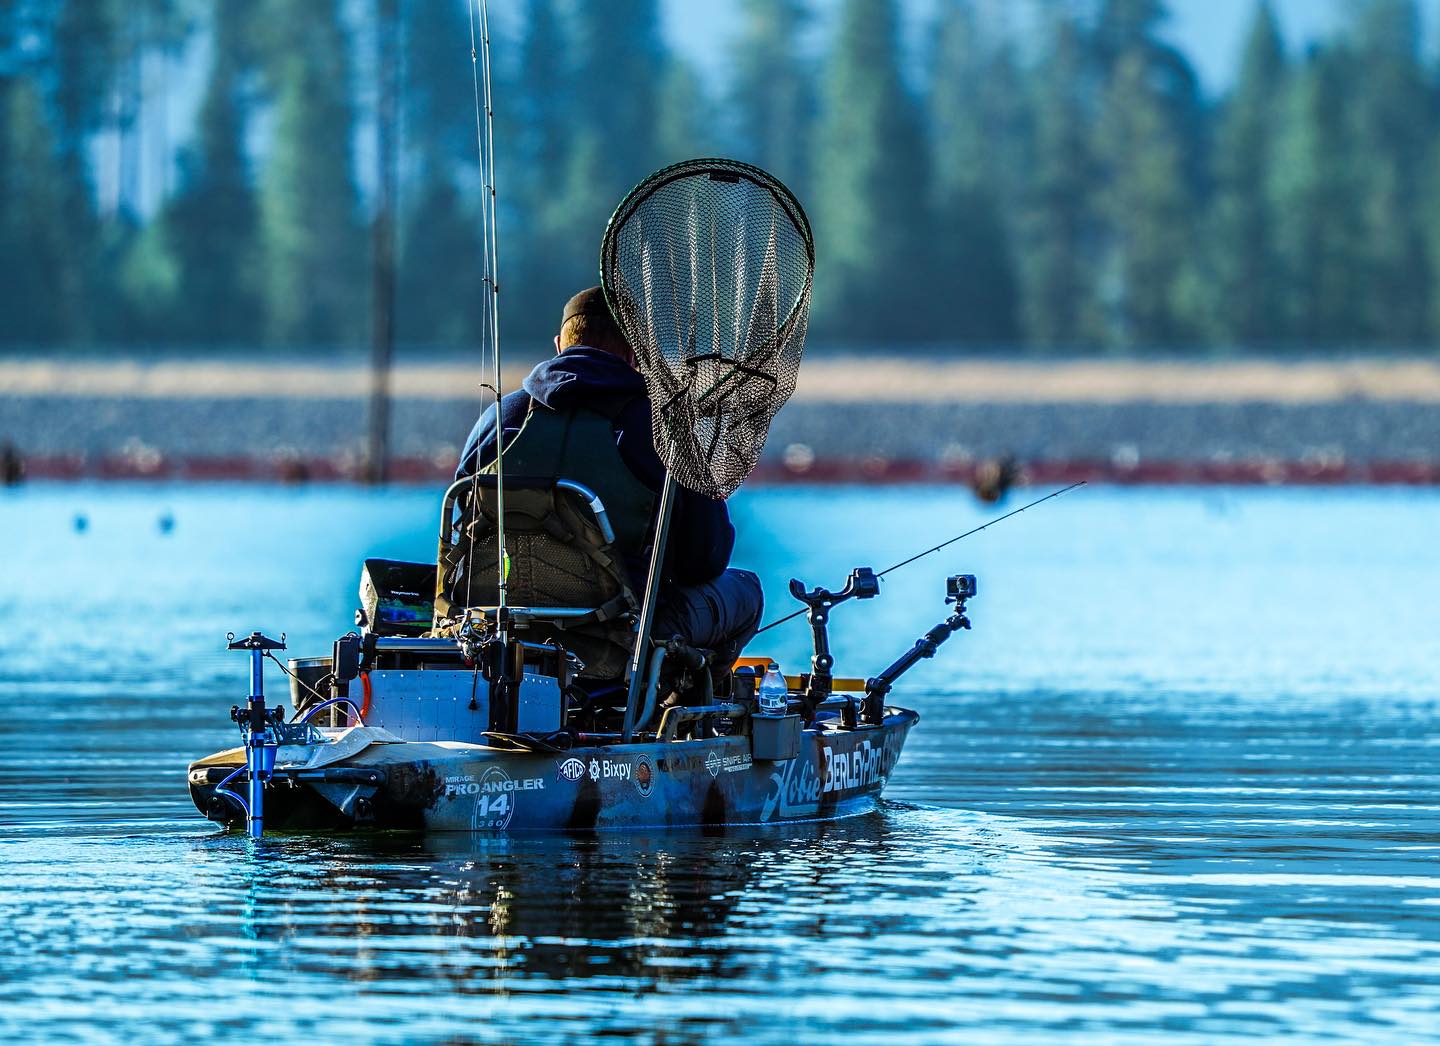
pixel 701 535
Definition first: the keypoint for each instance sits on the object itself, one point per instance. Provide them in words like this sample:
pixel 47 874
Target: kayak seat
pixel 566 583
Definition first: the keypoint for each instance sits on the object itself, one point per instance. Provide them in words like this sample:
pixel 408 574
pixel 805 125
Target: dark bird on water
pixel 292 469
pixel 994 477
pixel 12 465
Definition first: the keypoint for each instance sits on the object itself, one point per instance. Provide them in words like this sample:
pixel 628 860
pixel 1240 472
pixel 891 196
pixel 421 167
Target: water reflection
pixel 562 928
pixel 911 920
pixel 483 914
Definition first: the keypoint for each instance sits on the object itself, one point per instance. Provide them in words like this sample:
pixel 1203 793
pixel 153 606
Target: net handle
pixel 719 169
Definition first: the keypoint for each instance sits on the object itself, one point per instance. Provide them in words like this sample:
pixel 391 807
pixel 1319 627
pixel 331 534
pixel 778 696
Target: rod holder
pixel 863 583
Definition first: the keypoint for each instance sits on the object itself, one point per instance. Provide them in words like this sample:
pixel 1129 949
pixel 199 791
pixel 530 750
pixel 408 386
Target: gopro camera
pixel 959 587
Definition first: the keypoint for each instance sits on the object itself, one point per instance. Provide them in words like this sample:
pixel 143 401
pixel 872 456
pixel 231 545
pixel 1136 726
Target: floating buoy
pixel 12 465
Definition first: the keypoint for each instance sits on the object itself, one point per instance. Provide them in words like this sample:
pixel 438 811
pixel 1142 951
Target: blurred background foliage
pixel 1071 187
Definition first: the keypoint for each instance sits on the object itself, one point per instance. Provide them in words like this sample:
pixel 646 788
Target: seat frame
pixel 636 718
pixel 447 525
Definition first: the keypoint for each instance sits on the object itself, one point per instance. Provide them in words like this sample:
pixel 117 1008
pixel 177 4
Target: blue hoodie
pixel 701 535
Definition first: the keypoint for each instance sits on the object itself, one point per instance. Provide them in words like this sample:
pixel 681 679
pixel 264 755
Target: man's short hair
pixel 600 332
pixel 587 321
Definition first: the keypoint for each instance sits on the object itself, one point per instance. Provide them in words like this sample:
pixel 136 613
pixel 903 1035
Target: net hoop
pixel 687 169
pixel 711 287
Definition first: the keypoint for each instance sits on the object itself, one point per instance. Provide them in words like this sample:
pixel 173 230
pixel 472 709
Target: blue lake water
pixel 1180 780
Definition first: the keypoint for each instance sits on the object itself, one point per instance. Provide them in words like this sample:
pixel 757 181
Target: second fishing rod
pixel 865 583
pixel 816 687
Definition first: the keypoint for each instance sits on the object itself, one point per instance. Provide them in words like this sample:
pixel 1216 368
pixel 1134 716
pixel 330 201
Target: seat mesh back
pixel 558 558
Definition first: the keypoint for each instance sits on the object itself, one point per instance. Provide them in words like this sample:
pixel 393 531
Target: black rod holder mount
pixel 863 583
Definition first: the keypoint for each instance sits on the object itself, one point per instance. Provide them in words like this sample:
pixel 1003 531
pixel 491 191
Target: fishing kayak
pixel 441 738
pixel 517 683
pixel 368 777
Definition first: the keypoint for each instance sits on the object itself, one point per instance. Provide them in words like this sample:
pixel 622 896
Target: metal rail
pixel 447 503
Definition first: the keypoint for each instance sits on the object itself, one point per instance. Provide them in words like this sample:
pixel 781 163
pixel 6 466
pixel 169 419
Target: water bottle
pixel 773 696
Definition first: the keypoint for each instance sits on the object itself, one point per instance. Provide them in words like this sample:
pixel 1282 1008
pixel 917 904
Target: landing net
pixel 708 267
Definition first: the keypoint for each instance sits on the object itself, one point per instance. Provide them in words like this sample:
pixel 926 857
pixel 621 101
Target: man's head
pixel 587 321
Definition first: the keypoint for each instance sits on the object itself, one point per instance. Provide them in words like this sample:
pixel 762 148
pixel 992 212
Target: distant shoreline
pixel 860 418
pixel 887 377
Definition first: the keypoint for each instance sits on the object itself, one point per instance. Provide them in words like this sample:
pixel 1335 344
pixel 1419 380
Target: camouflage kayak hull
pixel 369 779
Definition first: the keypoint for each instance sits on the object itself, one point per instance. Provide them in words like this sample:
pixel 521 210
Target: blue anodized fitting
pixel 261 743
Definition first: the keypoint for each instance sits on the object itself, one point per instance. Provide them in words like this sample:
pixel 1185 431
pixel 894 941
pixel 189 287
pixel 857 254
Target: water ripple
pixel 1122 817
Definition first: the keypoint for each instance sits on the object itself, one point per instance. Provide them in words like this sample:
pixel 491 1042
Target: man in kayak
pixel 703 599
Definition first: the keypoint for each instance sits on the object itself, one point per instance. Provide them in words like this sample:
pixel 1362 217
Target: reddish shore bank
pixel 821 471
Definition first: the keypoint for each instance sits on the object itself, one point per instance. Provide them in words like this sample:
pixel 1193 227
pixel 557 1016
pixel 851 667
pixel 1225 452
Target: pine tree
pixel 545 91
pixel 874 276
pixel 86 51
pixel 1147 144
pixel 969 107
pixel 86 47
pixel 206 277
pixel 1058 222
pixel 438 90
pixel 773 94
pixel 686 124
pixel 1317 205
pixel 1135 29
pixel 439 282
pixel 33 252
pixel 441 275
pixel 1124 26
pixel 308 234
pixel 589 91
pixel 1149 211
pixel 1247 299
pixel 94 83
pixel 546 259
pixel 621 66
pixel 1393 125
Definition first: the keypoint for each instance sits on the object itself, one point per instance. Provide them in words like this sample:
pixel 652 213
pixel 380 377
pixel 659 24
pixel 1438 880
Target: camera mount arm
pixel 959 588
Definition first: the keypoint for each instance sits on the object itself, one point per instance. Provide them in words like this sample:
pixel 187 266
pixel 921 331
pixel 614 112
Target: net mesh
pixel 707 266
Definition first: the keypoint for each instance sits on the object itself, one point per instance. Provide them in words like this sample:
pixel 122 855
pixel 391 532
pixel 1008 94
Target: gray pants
pixel 722 615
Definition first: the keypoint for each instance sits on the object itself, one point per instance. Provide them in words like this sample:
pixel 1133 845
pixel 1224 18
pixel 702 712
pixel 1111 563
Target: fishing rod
pixel 479 12
pixel 943 544
pixel 501 661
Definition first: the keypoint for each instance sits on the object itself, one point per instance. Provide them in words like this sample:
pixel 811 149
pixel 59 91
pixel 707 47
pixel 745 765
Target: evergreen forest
pixel 1062 183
